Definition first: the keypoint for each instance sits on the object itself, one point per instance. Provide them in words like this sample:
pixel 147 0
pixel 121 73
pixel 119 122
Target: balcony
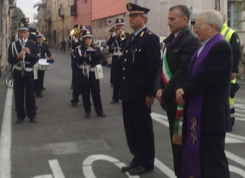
pixel 13 13
pixel 73 10
pixel 40 4
pixel 61 12
pixel 47 17
pixel 12 4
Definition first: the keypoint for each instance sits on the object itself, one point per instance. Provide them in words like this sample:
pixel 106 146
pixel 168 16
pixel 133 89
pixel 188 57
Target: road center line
pixel 5 142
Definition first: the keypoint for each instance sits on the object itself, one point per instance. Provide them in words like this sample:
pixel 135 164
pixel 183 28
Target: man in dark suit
pixel 139 66
pixel 117 42
pixel 23 55
pixel 42 51
pixel 205 92
pixel 179 47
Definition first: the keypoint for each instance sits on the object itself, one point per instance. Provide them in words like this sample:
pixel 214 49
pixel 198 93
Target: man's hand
pixel 20 55
pixel 179 96
pixel 159 96
pixel 51 57
pixel 233 75
pixel 26 50
pixel 149 101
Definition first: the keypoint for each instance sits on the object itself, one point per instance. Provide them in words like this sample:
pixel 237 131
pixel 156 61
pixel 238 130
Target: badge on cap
pixel 21 24
pixel 129 6
pixel 88 32
pixel 119 20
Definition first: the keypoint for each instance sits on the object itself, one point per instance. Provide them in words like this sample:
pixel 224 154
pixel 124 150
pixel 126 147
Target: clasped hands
pixel 22 53
pixel 179 96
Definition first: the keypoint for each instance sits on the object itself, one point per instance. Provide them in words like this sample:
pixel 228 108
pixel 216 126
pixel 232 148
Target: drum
pixel 43 64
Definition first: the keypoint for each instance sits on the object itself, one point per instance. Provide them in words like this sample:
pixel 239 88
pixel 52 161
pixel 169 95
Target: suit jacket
pixel 139 64
pixel 213 81
pixel 43 50
pixel 32 58
pixel 179 52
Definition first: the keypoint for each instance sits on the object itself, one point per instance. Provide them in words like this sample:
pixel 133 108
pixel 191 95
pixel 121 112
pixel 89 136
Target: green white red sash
pixel 178 122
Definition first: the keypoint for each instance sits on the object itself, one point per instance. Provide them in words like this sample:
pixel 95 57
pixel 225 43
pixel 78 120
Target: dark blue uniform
pixel 139 66
pixel 74 44
pixel 85 80
pixel 23 80
pixel 114 43
pixel 42 50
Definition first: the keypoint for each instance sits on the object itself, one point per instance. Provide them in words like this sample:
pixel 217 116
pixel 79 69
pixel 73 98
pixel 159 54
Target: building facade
pixel 8 15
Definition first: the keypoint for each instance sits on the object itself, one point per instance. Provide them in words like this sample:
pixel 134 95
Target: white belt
pixel 117 54
pixel 27 69
pixel 84 67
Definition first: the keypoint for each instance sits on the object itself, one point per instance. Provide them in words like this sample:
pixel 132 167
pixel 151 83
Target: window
pixel 233 15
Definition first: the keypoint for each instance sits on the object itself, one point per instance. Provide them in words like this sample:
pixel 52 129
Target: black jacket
pixel 179 53
pixel 139 64
pixel 43 50
pixel 32 58
pixel 112 42
pixel 213 81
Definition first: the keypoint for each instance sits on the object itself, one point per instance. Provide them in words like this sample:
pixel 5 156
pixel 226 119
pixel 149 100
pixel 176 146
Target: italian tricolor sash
pixel 178 122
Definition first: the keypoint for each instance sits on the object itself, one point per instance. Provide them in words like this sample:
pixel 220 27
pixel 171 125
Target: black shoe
pixel 73 104
pixel 33 120
pixel 87 115
pixel 71 87
pixel 19 121
pixel 43 88
pixel 39 95
pixel 102 114
pixel 139 170
pixel 129 167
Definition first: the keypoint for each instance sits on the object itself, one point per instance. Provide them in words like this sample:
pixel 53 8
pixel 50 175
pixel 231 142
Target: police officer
pixel 42 51
pixel 139 64
pixel 87 57
pixel 22 55
pixel 233 39
pixel 117 43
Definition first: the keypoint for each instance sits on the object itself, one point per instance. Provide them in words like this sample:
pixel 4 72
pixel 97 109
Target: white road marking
pixel 235 158
pixel 236 170
pixel 5 144
pixel 56 170
pixel 87 164
pixel 164 169
pixel 44 176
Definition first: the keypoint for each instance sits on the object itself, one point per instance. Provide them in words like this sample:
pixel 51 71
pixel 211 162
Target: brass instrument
pixel 75 33
pixel 45 40
pixel 112 30
pixel 122 35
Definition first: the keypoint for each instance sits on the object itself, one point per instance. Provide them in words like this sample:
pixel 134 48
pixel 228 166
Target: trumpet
pixel 122 35
pixel 75 33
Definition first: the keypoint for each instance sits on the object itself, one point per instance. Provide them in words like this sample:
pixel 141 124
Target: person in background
pixel 63 46
pixel 87 57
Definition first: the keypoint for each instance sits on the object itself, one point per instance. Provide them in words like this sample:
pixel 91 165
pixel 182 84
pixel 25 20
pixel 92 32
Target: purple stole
pixel 192 128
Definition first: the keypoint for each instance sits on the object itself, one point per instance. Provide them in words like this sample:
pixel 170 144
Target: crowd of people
pixel 194 82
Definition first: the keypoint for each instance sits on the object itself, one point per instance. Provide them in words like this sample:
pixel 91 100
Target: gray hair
pixel 213 17
pixel 223 16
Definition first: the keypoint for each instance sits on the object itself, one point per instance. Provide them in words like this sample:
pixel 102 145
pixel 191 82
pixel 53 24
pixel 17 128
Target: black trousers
pixel 84 85
pixel 39 81
pixel 63 48
pixel 176 149
pixel 116 76
pixel 139 132
pixel 213 159
pixel 24 95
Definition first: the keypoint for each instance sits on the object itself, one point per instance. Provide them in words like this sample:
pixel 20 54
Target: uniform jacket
pixel 214 82
pixel 74 44
pixel 112 42
pixel 32 58
pixel 139 64
pixel 43 50
pixel 179 53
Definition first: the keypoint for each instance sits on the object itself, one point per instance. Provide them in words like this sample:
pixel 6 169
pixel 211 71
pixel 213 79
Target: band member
pixel 141 60
pixel 87 58
pixel 74 41
pixel 22 55
pixel 117 43
pixel 42 51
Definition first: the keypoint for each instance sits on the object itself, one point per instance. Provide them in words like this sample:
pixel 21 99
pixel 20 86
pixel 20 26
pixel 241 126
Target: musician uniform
pixel 117 44
pixel 139 66
pixel 74 42
pixel 42 51
pixel 23 77
pixel 85 78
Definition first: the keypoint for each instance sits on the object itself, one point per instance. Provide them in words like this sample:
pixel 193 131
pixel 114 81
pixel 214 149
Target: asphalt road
pixel 65 145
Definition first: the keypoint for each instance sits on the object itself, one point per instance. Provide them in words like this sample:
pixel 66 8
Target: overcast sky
pixel 27 7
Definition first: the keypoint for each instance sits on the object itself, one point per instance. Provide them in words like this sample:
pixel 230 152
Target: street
pixel 63 144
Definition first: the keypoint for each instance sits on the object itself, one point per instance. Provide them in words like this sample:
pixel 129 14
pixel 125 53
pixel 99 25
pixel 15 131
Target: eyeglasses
pixel 197 27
